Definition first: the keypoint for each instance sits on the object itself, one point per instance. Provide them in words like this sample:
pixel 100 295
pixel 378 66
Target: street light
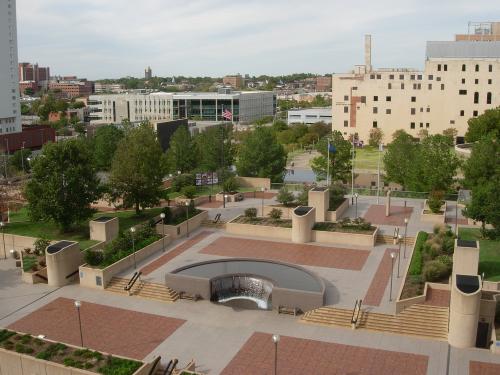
pixel 276 340
pixel 187 219
pixel 2 225
pixel 162 215
pixel 224 198
pixel 406 227
pixel 393 255
pixel 399 252
pixel 78 304
pixel 132 230
pixel 356 195
pixel 263 189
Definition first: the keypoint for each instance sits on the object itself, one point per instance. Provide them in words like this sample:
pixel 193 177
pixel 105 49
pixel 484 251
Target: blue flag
pixel 332 149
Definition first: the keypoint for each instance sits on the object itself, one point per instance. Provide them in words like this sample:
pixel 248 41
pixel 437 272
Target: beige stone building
pixel 460 80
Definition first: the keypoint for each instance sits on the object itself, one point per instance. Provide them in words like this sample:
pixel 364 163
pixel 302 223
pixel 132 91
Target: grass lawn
pixel 489 253
pixel 20 225
pixel 367 158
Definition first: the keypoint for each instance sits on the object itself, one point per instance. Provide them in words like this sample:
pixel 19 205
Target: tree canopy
pixel 486 124
pixel 63 184
pixel 181 154
pixel 340 160
pixel 215 148
pixel 104 144
pixel 399 158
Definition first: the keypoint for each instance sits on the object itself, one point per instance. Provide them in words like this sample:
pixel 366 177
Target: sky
pixel 99 39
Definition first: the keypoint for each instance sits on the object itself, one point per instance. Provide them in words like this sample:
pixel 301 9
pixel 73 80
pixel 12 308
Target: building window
pixel 421 124
pixel 412 125
pixel 346 97
pixel 346 109
pixel 490 68
pixel 462 92
pixel 429 86
pixel 452 122
pixel 462 112
pixel 374 124
pixel 477 68
pixel 346 123
pixel 442 86
pixel 379 76
pixel 391 76
pixel 463 81
pixel 476 81
pixel 476 98
pixel 388 111
pixel 421 109
pixel 439 67
pixel 427 125
pixel 372 76
pixel 412 77
pixel 402 86
pixel 375 98
pixel 438 79
pixel 488 98
pixel 413 111
pixel 375 110
pixel 413 99
pixel 445 67
pixel 419 77
pixel 389 86
pixel 401 76
pixel 474 113
pixel 463 67
pixel 387 98
pixel 428 109
pixel 490 81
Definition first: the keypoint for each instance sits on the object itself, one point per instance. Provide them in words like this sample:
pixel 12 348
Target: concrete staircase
pixel 389 240
pixel 221 224
pixel 417 320
pixel 143 289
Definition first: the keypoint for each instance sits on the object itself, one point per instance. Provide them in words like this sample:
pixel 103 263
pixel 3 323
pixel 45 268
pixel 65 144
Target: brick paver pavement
pixel 451 220
pixel 376 215
pixel 437 297
pixel 108 329
pixel 379 282
pixel 167 257
pixel 310 255
pixel 301 356
pixel 483 368
pixel 213 204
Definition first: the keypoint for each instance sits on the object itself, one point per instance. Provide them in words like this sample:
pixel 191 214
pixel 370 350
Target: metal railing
pixel 132 281
pixel 356 311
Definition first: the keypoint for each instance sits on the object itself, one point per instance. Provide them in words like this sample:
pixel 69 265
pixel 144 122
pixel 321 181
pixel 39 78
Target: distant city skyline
pixel 112 39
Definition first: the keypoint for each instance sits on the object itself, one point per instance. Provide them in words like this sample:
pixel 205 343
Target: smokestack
pixel 368 52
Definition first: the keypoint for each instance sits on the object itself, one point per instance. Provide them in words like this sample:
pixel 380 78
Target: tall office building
pixel 148 73
pixel 459 81
pixel 10 111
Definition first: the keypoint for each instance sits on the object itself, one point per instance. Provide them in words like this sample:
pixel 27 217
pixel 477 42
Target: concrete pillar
pixel 104 228
pixel 319 198
pixel 466 257
pixel 302 224
pixel 63 259
pixel 388 204
pixel 464 310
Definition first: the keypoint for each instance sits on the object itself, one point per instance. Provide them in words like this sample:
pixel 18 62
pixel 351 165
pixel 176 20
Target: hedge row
pixel 416 260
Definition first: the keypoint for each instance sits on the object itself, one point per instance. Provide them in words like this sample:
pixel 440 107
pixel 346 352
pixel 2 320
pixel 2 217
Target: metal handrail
pixel 132 281
pixel 357 307
pixel 173 363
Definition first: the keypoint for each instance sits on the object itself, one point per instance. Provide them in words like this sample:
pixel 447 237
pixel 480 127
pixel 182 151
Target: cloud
pixel 113 38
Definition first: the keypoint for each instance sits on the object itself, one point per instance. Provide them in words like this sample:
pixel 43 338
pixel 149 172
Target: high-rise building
pixel 10 111
pixel 460 80
pixel 148 73
pixel 33 72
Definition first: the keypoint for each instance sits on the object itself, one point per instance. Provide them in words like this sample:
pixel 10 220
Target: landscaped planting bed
pixel 489 253
pixel 69 356
pixel 178 215
pixel 432 261
pixel 265 221
pixel 358 226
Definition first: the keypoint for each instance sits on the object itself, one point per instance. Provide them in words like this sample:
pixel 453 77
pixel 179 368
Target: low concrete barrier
pixel 256 182
pixel 357 239
pixel 180 230
pixel 337 214
pixel 433 218
pixel 287 211
pixel 259 231
pixel 98 278
pixel 197 200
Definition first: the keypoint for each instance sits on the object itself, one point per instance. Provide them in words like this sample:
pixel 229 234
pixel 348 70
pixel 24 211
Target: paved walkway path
pixel 483 368
pixel 157 263
pixel 376 215
pixel 310 255
pixel 379 282
pixel 437 297
pixel 300 356
pixel 124 332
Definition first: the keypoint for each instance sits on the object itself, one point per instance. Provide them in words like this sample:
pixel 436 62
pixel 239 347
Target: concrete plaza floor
pixel 217 336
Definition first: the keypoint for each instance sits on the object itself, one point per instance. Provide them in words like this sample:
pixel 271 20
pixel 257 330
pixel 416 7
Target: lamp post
pixel 12 251
pixel 22 155
pixel 399 252
pixel 187 219
pixel 162 215
pixel 2 225
pixel 406 228
pixel 78 304
pixel 263 189
pixel 393 255
pixel 224 197
pixel 132 230
pixel 276 340
pixel 356 195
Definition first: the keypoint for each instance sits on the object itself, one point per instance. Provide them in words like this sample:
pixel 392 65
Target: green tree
pixel 28 91
pixel 340 160
pixel 215 148
pixel 376 136
pixel 19 160
pixel 399 160
pixel 486 124
pixel 484 206
pixel 181 154
pixel 435 165
pixel 261 156
pixel 104 144
pixel 137 169
pixel 63 184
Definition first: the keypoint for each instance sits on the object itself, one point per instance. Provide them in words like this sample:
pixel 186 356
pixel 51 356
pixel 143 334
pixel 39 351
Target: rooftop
pixel 462 50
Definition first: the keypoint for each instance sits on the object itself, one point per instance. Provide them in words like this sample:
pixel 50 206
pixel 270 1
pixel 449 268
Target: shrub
pixel 27 250
pixel 303 197
pixel 251 212
pixel 93 257
pixel 435 201
pixel 415 268
pixel 434 270
pixel 40 245
pixel 168 215
pixel 337 192
pixel 189 191
pixel 446 260
pixel 275 214
pixel 375 137
pixel 230 185
pixel 183 180
pixel 42 263
pixel 285 197
pixel 34 267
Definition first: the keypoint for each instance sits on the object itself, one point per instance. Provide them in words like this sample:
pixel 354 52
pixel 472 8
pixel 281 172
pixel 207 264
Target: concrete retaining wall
pixel 13 241
pixel 256 182
pixel 180 230
pixel 287 211
pixel 99 278
pixel 345 238
pixel 433 218
pixel 189 284
pixel 297 299
pixel 337 214
pixel 259 231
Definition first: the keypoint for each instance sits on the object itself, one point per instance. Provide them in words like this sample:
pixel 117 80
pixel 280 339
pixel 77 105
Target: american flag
pixel 227 115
